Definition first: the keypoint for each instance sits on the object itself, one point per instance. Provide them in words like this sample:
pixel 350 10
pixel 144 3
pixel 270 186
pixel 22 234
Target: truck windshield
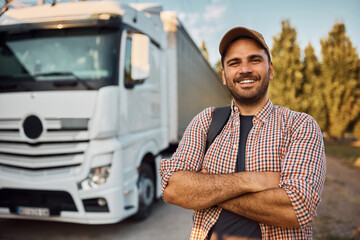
pixel 61 59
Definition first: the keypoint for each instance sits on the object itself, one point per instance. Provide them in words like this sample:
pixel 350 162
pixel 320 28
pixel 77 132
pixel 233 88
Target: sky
pixel 209 20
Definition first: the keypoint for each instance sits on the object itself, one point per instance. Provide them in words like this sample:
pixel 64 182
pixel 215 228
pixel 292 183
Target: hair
pixel 242 37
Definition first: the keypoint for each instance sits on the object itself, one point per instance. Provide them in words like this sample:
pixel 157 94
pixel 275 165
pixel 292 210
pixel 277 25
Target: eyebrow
pixel 255 56
pixel 249 57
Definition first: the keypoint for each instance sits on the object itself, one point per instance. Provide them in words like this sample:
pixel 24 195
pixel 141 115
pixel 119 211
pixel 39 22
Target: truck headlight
pixel 95 178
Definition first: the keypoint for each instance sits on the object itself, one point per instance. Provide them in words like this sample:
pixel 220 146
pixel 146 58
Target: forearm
pixel 196 190
pixel 271 207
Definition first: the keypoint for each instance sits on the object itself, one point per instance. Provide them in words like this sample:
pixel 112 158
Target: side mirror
pixel 140 67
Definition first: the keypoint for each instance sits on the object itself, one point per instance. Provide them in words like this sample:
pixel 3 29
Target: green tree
pixel 204 50
pixel 340 73
pixel 313 96
pixel 286 87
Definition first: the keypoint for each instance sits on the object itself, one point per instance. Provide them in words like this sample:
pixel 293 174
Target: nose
pixel 245 68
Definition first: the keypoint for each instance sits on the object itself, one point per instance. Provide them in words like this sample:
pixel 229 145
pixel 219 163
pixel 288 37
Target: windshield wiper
pixel 78 80
pixel 13 83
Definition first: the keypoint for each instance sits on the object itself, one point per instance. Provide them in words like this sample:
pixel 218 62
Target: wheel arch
pixel 148 154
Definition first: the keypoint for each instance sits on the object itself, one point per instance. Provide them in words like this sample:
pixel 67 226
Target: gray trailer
pixel 194 85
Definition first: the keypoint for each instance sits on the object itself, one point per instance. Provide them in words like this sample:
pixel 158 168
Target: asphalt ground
pixel 166 222
pixel 338 217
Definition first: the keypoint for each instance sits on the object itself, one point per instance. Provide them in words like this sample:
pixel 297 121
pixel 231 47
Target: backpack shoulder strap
pixel 220 117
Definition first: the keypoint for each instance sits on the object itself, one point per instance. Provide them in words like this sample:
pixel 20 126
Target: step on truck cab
pixel 91 94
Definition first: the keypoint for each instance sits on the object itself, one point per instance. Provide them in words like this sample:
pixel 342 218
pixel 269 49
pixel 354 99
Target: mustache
pixel 247 76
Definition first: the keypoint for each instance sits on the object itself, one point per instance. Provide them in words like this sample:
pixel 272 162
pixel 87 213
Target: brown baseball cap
pixel 237 32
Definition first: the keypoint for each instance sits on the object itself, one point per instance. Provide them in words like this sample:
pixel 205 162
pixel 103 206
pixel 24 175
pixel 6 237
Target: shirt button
pixel 234 146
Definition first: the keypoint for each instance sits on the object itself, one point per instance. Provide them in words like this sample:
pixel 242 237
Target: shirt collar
pixel 234 108
pixel 262 115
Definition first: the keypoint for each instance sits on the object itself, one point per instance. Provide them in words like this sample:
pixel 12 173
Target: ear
pixel 223 76
pixel 271 73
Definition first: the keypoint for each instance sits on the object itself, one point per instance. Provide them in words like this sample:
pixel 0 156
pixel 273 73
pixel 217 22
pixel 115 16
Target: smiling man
pixel 262 176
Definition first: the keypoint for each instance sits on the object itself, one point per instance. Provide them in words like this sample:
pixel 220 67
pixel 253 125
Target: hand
pixel 265 180
pixel 204 171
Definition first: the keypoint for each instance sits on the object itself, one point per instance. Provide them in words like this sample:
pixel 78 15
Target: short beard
pixel 254 100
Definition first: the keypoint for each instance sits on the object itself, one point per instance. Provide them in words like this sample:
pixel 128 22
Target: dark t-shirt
pixel 230 224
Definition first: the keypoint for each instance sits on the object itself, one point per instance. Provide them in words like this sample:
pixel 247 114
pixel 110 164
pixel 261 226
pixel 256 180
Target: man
pixel 263 174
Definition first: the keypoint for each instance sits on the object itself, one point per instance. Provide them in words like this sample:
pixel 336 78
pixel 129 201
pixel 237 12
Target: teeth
pixel 248 81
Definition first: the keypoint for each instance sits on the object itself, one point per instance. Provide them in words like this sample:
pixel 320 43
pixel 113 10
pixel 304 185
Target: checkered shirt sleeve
pixel 190 152
pixel 303 168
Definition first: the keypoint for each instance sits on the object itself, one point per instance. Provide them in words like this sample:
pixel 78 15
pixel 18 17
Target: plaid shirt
pixel 280 140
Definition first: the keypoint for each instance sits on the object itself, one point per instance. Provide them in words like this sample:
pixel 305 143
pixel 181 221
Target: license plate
pixel 33 211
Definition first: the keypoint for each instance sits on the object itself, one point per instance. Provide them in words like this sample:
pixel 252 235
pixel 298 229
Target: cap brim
pixel 236 33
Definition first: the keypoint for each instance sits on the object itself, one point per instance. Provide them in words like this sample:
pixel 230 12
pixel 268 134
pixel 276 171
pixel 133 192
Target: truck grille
pixel 62 144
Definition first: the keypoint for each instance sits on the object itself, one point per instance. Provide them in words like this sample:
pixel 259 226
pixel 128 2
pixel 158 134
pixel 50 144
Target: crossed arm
pixel 254 195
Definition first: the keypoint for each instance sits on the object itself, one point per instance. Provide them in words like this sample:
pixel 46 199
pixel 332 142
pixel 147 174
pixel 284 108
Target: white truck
pixel 91 94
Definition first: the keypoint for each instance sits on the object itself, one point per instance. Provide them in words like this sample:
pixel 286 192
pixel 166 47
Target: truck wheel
pixel 146 185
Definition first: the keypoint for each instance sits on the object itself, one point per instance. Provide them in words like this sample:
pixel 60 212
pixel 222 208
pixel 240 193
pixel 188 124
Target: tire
pixel 146 186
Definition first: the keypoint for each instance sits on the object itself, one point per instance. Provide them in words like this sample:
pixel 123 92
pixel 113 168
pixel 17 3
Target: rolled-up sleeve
pixel 303 169
pixel 190 152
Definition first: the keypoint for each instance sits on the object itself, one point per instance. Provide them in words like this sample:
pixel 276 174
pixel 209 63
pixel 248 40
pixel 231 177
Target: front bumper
pixel 58 192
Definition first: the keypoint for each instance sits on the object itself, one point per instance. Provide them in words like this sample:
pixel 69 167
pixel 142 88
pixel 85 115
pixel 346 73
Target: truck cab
pixel 82 111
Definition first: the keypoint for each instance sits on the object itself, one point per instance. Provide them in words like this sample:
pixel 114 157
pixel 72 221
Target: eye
pixel 256 60
pixel 233 63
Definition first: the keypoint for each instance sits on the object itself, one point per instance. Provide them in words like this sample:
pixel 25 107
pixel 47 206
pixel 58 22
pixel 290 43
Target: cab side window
pixel 127 74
